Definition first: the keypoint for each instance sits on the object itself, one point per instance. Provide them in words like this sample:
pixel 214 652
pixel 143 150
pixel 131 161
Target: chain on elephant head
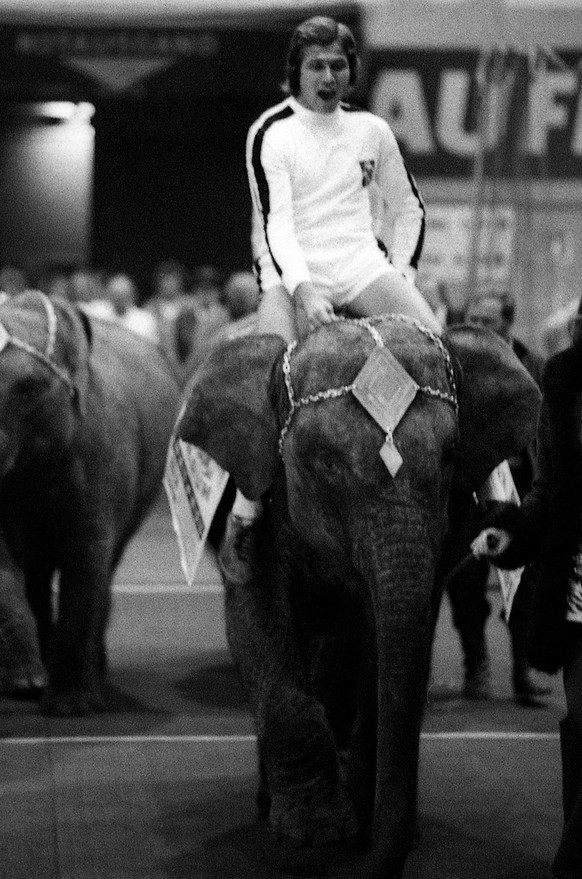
pixel 296 403
pixel 6 338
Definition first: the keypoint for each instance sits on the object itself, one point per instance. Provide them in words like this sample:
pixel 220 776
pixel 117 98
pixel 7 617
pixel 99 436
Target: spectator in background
pixel 200 319
pixel 85 285
pixel 207 285
pixel 207 297
pixel 555 329
pixel 13 279
pixel 468 591
pixel 170 293
pixel 54 280
pixel 545 533
pixel 241 294
pixel 122 297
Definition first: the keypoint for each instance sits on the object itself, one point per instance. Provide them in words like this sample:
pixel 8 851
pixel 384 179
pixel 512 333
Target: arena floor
pixel 164 785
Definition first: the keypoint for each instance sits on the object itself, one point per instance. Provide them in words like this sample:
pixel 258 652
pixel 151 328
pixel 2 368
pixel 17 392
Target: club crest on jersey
pixel 367 166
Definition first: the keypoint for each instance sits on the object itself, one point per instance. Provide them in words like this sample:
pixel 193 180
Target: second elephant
pixel 86 412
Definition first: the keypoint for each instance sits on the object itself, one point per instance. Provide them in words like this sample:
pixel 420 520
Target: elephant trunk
pixel 401 575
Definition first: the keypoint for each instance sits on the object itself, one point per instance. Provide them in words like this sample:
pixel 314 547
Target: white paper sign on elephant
pixel 499 486
pixel 4 337
pixel 194 484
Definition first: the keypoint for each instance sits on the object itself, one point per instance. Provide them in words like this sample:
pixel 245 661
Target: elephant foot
pixel 23 683
pixel 263 802
pixel 319 818
pixel 73 703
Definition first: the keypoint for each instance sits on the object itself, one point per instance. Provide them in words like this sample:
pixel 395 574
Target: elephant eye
pixel 26 391
pixel 450 452
pixel 328 461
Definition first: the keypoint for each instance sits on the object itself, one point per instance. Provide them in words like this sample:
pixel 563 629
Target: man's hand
pixel 490 543
pixel 312 309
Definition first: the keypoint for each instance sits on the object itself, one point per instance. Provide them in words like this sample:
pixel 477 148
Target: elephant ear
pixel 74 339
pixel 29 318
pixel 499 403
pixel 229 410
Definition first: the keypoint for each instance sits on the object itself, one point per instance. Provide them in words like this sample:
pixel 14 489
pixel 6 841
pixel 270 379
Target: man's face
pixel 486 312
pixel 324 77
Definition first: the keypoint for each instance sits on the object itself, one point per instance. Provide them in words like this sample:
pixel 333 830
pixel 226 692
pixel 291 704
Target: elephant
pixel 86 413
pixel 332 634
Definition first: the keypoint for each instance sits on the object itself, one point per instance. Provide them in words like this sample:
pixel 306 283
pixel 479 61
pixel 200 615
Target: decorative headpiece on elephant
pixel 86 412
pixel 333 634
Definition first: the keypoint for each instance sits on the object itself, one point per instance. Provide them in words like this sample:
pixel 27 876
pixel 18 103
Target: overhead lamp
pixel 64 111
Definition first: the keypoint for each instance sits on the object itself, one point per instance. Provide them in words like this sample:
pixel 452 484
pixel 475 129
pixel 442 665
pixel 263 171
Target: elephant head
pixel 269 414
pixel 45 350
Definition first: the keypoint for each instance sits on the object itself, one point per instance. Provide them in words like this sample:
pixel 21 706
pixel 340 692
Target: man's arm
pixel 404 205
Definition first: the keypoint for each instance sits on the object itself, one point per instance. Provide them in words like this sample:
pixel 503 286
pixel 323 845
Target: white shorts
pixel 342 279
pixel 350 273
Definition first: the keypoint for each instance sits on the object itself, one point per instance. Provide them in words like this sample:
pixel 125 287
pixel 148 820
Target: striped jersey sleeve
pixel 270 187
pixel 403 203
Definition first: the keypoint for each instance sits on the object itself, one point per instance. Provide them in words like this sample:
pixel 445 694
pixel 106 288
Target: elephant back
pixel 125 359
pixel 133 383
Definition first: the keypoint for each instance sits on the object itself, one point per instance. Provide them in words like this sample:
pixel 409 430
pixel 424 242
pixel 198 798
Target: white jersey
pixel 321 185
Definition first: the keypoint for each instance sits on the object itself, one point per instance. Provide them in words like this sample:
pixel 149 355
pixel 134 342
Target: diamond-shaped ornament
pixel 385 390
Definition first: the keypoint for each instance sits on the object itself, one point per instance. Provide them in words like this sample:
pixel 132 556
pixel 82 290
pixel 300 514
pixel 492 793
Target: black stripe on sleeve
pixel 259 172
pixel 420 243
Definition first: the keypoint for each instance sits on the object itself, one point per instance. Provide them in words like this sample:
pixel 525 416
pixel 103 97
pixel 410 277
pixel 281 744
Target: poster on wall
pixel 235 54
pixel 431 100
pixel 456 233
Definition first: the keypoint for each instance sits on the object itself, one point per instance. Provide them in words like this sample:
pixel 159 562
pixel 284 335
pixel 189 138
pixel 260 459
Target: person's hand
pixel 312 309
pixel 409 273
pixel 491 543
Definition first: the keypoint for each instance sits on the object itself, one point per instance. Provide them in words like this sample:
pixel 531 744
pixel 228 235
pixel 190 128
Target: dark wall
pixel 170 182
pixel 173 107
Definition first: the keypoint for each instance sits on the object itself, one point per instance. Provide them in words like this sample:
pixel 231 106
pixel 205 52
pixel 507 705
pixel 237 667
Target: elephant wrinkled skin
pixel 86 413
pixel 333 634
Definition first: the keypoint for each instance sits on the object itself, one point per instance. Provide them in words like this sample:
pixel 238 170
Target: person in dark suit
pixel 468 591
pixel 545 533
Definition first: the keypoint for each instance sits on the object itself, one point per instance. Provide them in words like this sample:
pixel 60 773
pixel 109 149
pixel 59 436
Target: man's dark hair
pixel 323 31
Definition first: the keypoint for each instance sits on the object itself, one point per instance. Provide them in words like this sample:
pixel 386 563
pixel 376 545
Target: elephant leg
pixel 22 671
pixel 348 671
pixel 309 804
pixel 77 655
pixel 300 772
pixel 40 599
